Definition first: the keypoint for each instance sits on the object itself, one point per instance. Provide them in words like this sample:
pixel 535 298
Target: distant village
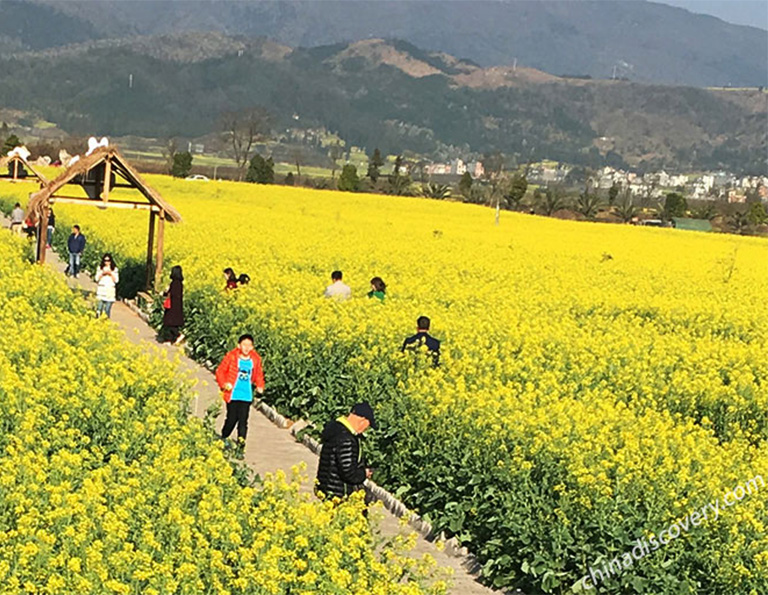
pixel 717 185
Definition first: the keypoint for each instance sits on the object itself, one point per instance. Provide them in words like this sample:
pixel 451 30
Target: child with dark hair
pixel 243 279
pixel 237 374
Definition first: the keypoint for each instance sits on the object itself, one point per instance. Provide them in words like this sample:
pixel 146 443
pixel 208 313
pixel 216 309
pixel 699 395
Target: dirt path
pixel 268 447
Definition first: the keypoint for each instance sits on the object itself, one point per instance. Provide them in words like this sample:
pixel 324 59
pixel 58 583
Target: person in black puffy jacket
pixel 342 468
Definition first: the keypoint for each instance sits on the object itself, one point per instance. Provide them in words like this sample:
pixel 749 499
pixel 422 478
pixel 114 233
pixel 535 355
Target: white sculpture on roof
pixel 22 152
pixel 94 144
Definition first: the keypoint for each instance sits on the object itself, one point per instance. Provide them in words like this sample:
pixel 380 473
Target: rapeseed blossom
pixel 108 487
pixel 580 401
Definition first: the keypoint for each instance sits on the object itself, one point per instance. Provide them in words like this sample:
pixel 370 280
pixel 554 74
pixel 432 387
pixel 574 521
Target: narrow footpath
pixel 268 447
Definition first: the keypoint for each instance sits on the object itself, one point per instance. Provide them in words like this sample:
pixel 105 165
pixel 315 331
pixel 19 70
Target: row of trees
pixel 512 193
pixel 504 190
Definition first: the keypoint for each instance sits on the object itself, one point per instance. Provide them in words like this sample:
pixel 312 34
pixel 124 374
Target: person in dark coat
pixel 342 469
pixel 75 245
pixel 173 318
pixel 422 337
pixel 51 228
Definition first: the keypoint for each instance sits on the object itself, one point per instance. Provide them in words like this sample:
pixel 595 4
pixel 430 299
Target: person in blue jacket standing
pixel 76 246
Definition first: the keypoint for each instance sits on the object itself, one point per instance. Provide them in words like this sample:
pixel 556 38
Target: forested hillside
pixel 386 94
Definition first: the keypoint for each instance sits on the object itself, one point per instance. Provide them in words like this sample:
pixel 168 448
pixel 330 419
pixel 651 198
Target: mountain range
pixel 387 94
pixel 639 40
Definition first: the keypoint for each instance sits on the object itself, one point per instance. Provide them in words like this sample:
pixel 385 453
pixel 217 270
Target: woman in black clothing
pixel 173 318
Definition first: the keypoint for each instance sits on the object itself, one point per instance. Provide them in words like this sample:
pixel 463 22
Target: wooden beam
pixel 150 247
pixel 43 236
pixel 160 247
pixel 117 204
pixel 107 176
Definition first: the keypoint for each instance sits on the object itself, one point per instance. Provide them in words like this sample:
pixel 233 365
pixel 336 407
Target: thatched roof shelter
pixel 97 174
pixel 17 169
pixel 89 172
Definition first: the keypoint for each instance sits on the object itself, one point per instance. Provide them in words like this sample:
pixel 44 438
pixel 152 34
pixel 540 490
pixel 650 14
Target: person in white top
pixel 337 289
pixel 106 278
pixel 17 219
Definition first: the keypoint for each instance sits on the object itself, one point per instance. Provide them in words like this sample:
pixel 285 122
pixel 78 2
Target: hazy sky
pixel 741 12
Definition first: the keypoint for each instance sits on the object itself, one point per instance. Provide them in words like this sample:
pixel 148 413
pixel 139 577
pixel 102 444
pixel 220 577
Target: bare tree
pixel 493 165
pixel 169 152
pixel 242 130
pixel 335 152
pixel 298 159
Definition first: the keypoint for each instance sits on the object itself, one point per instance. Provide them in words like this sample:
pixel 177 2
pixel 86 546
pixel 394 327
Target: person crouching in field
pixel 342 468
pixel 230 278
pixel 237 374
pixel 106 279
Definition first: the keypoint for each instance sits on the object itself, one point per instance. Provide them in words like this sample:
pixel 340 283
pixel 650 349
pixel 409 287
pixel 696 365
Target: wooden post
pixel 43 235
pixel 150 247
pixel 107 176
pixel 160 245
pixel 15 169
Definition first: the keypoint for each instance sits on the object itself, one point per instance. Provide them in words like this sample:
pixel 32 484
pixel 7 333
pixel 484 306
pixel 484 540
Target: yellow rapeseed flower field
pixel 108 487
pixel 596 381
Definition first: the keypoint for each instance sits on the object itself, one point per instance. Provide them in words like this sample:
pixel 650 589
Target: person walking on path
pixel 338 289
pixel 342 469
pixel 173 317
pixel 17 219
pixel 51 229
pixel 378 289
pixel 76 246
pixel 237 374
pixel 421 338
pixel 107 278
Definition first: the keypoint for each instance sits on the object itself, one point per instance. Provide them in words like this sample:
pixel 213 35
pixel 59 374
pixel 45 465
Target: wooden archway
pixel 97 174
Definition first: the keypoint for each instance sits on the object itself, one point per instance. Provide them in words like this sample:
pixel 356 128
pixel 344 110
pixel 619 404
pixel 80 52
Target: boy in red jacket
pixel 236 375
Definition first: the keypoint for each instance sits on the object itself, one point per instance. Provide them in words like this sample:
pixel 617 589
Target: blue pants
pixel 74 263
pixel 104 306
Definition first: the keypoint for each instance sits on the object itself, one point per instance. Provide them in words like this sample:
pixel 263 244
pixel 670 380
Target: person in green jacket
pixel 378 289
